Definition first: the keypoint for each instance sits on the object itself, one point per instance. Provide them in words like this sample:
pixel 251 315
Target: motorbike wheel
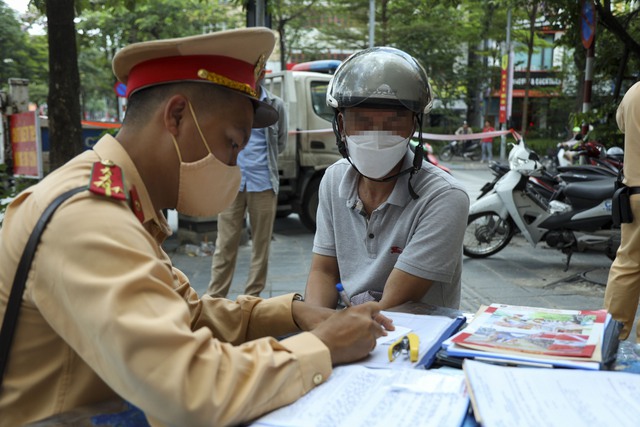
pixel 486 234
pixel 446 154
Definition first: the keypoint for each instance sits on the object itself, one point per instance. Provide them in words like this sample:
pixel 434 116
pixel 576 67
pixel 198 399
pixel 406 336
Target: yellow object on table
pixel 408 344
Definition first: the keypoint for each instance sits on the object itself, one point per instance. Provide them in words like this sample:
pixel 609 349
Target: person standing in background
pixel 258 196
pixel 623 286
pixel 465 130
pixel 487 143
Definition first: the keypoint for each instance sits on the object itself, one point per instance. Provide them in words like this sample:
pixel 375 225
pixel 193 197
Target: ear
pixel 174 113
pixel 340 123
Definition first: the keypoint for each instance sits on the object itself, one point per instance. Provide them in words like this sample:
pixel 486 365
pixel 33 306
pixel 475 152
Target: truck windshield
pixel 319 100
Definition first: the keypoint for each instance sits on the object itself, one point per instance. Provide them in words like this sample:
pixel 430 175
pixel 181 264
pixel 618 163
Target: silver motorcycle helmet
pixel 382 77
pixel 616 152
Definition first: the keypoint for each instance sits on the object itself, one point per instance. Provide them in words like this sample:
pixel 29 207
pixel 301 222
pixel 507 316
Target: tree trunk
pixel 65 130
pixel 527 84
pixel 283 44
pixel 474 89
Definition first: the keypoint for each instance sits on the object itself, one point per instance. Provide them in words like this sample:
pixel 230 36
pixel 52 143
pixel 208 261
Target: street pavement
pixel 520 274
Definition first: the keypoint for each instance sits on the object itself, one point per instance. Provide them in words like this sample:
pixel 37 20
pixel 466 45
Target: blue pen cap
pixel 339 287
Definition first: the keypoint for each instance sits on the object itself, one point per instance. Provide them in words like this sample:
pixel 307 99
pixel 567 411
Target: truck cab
pixel 311 145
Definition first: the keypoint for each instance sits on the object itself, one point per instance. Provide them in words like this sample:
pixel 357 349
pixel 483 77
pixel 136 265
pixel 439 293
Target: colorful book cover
pixel 549 333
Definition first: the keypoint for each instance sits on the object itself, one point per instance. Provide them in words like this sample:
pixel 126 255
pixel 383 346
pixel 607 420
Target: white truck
pixel 311 146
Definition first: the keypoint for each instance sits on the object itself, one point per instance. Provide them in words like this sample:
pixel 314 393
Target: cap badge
pixel 259 66
pixel 226 82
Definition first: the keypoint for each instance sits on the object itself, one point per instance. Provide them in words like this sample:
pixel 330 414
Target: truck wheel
pixel 310 204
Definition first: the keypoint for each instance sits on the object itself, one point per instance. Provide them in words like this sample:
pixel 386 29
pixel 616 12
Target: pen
pixel 343 295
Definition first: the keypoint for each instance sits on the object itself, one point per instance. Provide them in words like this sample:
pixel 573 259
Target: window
pixel 319 100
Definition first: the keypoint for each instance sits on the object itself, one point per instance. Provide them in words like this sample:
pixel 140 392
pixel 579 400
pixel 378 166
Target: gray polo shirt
pixel 422 237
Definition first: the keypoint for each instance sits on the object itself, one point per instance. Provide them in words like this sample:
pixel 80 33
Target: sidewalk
pixel 289 261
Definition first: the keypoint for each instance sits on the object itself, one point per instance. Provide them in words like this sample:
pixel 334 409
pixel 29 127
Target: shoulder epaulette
pixel 107 180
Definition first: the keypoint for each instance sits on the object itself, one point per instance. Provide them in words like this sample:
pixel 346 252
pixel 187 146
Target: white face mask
pixel 207 186
pixel 375 153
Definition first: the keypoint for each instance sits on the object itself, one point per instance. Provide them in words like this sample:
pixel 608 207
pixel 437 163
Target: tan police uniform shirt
pixel 628 119
pixel 622 293
pixel 105 314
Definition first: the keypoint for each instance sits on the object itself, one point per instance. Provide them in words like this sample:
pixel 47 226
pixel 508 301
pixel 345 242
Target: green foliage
pixel 106 26
pixel 605 129
pixel 21 55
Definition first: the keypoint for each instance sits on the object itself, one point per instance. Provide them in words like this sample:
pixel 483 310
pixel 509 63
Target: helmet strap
pixel 342 147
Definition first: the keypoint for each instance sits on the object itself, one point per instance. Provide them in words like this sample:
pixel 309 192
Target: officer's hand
pixel 308 316
pixel 351 333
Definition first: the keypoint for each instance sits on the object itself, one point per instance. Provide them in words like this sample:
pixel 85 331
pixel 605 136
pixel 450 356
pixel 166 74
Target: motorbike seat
pixel 588 170
pixel 597 189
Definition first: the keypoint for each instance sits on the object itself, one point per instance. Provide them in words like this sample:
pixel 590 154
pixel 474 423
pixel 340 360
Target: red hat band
pixel 221 70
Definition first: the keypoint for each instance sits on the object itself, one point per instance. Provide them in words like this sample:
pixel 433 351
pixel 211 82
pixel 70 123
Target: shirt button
pixel 371 236
pixel 317 379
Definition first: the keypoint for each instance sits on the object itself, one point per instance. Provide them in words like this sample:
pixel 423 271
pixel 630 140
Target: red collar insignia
pixel 107 180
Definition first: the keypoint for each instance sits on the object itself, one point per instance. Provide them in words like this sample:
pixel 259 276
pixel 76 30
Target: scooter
pixel 466 149
pixel 578 218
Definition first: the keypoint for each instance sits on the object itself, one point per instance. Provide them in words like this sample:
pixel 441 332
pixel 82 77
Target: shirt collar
pixel 108 148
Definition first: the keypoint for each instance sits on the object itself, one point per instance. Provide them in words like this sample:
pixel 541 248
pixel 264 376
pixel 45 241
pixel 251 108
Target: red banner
pixel 502 118
pixel 25 144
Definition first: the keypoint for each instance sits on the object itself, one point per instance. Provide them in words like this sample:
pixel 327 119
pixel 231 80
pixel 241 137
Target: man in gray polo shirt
pixel 389 225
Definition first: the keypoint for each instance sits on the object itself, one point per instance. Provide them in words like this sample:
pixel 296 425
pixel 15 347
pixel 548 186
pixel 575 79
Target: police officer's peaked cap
pixel 232 59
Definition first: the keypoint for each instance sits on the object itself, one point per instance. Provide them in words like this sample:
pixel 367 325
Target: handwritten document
pixel 531 397
pixel 357 396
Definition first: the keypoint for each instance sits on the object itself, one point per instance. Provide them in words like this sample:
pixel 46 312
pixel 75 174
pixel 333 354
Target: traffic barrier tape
pixel 433 136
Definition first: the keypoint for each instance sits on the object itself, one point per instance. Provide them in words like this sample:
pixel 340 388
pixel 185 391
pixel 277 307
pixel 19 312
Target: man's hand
pixel 351 334
pixel 308 316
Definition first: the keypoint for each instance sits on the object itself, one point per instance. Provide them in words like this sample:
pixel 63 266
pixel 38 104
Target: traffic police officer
pixel 105 314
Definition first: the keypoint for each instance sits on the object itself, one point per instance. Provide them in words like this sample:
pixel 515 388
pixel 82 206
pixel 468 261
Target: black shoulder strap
pixel 17 290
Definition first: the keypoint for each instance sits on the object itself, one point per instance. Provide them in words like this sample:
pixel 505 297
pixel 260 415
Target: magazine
pixel 545 333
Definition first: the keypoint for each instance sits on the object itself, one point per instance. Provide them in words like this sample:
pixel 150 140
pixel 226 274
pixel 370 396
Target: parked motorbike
pixel 466 149
pixel 589 153
pixel 576 218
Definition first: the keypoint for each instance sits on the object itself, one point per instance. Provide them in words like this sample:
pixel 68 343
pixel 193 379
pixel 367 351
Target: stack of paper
pixel 532 335
pixel 526 397
pixel 358 396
